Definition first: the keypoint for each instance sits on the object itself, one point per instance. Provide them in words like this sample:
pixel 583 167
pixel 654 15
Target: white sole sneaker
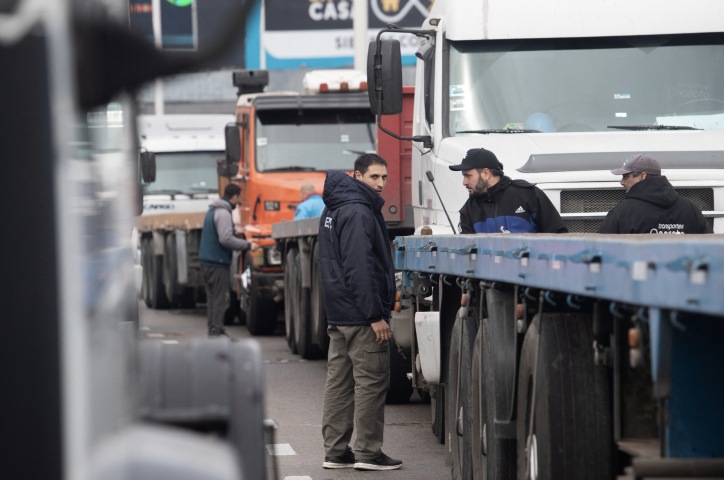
pixel 337 465
pixel 374 466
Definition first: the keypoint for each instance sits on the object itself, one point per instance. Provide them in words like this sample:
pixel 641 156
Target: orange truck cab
pixel 281 141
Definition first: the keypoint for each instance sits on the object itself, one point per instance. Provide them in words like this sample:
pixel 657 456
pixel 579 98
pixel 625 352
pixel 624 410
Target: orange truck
pixel 279 142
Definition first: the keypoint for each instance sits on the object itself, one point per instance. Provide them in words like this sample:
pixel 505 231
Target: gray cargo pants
pixel 216 280
pixel 358 375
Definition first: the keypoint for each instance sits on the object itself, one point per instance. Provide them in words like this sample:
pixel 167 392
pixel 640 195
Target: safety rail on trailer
pixel 675 273
pixel 669 288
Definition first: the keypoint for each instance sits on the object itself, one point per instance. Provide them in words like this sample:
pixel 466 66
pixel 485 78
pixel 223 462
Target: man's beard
pixel 480 188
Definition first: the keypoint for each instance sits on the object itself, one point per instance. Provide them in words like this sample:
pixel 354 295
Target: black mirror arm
pixel 426 140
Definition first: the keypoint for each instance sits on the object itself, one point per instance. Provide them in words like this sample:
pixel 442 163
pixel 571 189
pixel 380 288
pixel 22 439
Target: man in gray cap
pixel 498 204
pixel 651 205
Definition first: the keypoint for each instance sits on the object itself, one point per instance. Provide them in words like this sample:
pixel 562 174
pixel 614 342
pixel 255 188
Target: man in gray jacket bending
pixel 217 245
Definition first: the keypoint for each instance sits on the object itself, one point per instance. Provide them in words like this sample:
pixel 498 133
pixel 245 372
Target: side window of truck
pixel 245 141
pixel 429 87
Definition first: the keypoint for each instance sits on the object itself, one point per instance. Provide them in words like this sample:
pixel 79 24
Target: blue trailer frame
pixel 662 276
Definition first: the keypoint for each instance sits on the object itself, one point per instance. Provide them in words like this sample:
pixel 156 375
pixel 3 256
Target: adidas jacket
pixel 511 206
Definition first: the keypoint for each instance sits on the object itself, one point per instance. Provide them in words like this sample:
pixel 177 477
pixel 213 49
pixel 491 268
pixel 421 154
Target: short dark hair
pixel 494 171
pixel 364 161
pixel 231 190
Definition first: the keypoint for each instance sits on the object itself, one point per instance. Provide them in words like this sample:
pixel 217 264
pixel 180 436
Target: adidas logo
pixel 520 210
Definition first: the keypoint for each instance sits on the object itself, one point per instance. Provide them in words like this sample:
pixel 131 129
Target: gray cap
pixel 640 163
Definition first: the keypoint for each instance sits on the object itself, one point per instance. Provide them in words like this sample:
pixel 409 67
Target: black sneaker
pixel 383 462
pixel 346 460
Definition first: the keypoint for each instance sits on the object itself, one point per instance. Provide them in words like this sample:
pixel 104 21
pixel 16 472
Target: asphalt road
pixel 294 394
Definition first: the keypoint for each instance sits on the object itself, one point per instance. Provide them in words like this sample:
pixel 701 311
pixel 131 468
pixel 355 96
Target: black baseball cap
pixel 478 158
pixel 640 163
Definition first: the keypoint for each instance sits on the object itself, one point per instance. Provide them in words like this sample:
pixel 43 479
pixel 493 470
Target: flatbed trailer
pixel 570 356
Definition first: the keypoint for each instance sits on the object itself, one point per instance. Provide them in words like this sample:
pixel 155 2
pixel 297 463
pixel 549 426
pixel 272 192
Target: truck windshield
pixel 312 139
pixel 184 173
pixel 587 84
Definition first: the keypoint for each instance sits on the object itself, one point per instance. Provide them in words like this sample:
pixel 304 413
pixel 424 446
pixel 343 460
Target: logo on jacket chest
pixel 328 222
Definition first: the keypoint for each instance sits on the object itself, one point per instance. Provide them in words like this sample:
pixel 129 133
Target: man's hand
pixel 254 247
pixel 382 330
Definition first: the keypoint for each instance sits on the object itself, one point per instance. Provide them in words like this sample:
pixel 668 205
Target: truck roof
pixel 183 133
pixel 293 100
pixel 502 19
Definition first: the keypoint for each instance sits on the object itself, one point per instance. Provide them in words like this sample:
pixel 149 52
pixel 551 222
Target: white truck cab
pixel 563 92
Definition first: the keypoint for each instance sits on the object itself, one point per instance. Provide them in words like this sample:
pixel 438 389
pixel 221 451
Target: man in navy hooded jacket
pixel 358 279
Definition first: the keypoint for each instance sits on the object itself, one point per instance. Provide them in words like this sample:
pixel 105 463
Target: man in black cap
pixel 498 204
pixel 651 205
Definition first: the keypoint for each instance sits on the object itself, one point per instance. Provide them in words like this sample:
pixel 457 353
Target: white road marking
pixel 155 335
pixel 298 478
pixel 279 449
pixel 144 329
pixel 270 423
pixel 170 342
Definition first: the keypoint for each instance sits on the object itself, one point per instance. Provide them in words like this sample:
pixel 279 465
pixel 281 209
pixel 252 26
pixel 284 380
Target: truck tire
pixel 457 422
pixel 319 311
pixel 261 318
pixel 290 279
pixel 302 323
pixel 400 389
pixel 572 435
pixel 437 412
pixel 145 279
pixel 153 271
pixel 177 295
pixel 492 458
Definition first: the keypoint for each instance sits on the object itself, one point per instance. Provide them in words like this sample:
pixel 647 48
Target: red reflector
pixel 344 86
pixel 363 85
pixel 323 87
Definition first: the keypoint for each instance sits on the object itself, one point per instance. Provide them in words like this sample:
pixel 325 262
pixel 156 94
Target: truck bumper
pixel 268 285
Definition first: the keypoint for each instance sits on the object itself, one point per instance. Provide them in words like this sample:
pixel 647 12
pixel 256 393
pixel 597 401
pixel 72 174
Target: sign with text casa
pixel 318 33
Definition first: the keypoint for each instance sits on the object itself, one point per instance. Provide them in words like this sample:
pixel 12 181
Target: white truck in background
pixel 597 81
pixel 186 149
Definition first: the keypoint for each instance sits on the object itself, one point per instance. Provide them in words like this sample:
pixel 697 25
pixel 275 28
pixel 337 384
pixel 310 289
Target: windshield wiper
pixel 359 152
pixel 652 127
pixel 296 168
pixel 164 192
pixel 500 130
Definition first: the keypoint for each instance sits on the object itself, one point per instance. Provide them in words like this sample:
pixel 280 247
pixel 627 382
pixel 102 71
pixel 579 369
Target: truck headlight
pixel 273 256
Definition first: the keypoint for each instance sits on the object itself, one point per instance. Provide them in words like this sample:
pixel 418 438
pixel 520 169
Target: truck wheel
pixel 302 327
pixel 290 278
pixel 153 268
pixel 492 458
pixel 400 389
pixel 178 296
pixel 319 312
pixel 572 433
pixel 261 317
pixel 457 422
pixel 146 247
pixel 437 411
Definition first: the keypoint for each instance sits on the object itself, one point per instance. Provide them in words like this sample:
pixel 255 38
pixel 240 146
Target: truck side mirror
pixel 384 75
pixel 232 134
pixel 148 166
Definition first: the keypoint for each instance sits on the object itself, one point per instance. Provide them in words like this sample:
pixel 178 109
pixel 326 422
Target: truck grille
pixel 586 201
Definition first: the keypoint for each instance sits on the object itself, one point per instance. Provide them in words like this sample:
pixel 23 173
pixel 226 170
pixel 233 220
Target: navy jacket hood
pixel 341 189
